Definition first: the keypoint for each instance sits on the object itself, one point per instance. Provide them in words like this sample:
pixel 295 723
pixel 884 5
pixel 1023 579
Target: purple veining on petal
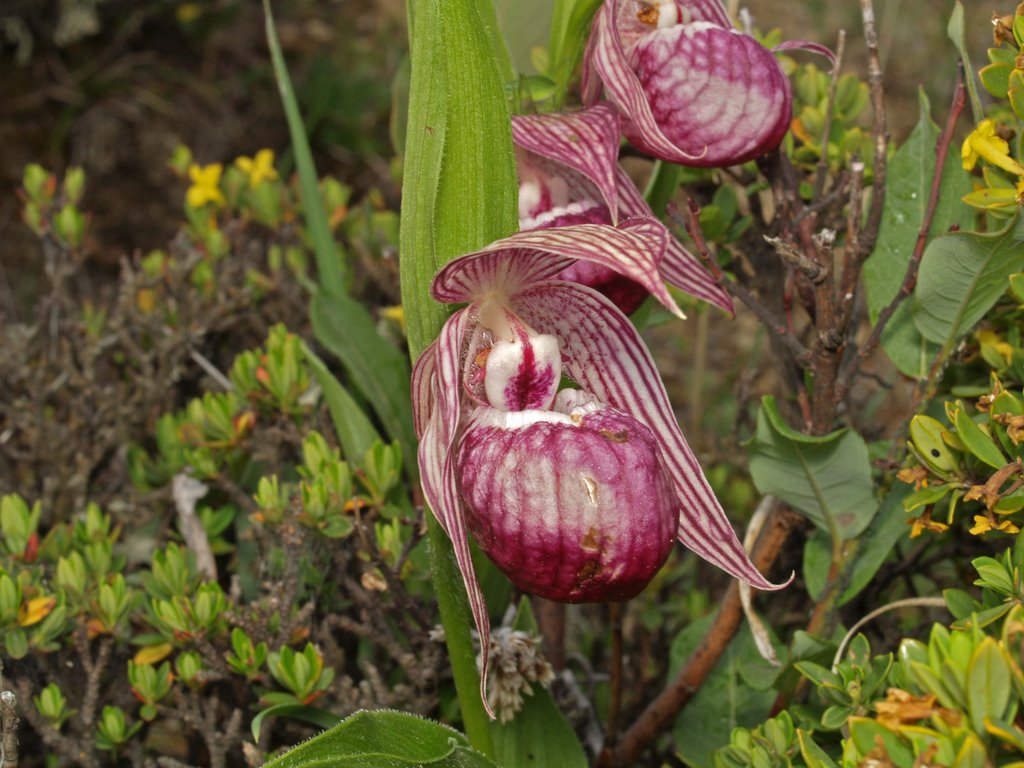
pixel 634 249
pixel 438 478
pixel 624 293
pixel 690 89
pixel 604 354
pixel 585 212
pixel 711 88
pixel 608 62
pixel 574 509
pixel 678 267
pixel 586 142
pixel 522 373
pixel 809 46
pixel 422 386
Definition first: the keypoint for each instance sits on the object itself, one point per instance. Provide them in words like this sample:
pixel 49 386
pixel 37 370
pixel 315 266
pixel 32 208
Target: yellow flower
pixel 258 169
pixel 989 338
pixel 983 524
pixel 925 523
pixel 983 142
pixel 187 12
pixel 35 610
pixel 395 314
pixel 205 185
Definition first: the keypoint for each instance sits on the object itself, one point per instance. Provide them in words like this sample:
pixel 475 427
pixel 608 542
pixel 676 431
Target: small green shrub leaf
pixel 989 684
pixel 976 441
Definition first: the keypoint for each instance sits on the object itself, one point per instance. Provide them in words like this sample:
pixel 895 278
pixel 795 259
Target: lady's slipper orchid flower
pixel 691 89
pixel 569 174
pixel 577 495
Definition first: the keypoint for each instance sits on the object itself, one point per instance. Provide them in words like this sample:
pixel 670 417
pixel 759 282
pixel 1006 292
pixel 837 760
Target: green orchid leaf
pixel 328 259
pixel 375 367
pixel 458 124
pixel 355 431
pixel 318 717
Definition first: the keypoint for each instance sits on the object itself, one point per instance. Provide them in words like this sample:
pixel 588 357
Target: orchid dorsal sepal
pixel 633 249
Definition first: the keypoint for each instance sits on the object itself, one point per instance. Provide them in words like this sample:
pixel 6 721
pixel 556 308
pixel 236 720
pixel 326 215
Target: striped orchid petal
pixel 691 89
pixel 634 249
pixel 586 142
pixel 581 149
pixel 437 467
pixel 423 373
pixel 679 267
pixel 606 356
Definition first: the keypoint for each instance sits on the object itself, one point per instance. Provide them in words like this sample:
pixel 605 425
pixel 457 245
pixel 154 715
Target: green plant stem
pixel 456 620
pixel 458 128
pixel 663 184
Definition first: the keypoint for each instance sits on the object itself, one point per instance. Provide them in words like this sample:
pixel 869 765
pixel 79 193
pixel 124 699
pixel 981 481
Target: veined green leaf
pixel 962 276
pixel 827 478
pixel 384 740
pixel 906 199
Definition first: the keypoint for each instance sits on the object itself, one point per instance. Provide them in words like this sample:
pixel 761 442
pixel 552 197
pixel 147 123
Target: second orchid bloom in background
pixel 690 88
pixel 569 174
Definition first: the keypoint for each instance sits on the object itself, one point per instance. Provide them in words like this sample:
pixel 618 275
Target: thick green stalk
pixel 459 193
pixel 663 184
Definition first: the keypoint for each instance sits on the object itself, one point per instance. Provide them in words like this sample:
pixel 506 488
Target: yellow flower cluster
pixel 983 143
pixel 206 179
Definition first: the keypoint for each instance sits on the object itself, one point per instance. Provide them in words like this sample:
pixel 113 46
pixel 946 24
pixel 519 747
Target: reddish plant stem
pixel 910 276
pixel 660 712
pixel 551 622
